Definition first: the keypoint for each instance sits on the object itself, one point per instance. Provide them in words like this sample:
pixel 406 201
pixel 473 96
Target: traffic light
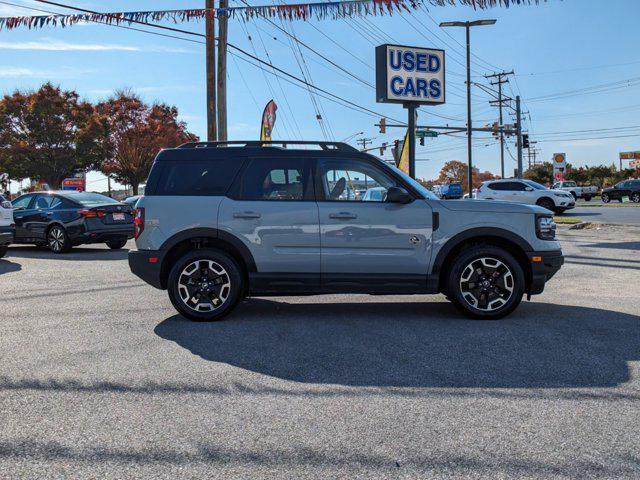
pixel 383 147
pixel 495 129
pixel 422 141
pixel 383 125
pixel 525 140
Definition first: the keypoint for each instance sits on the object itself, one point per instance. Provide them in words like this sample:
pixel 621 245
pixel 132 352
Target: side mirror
pixel 18 208
pixel 398 195
pixel 529 189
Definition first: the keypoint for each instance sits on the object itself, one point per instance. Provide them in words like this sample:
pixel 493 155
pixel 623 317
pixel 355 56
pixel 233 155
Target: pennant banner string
pixel 299 11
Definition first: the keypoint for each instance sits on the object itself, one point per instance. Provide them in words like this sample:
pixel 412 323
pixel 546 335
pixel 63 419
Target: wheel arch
pixel 545 198
pixel 511 242
pixel 199 238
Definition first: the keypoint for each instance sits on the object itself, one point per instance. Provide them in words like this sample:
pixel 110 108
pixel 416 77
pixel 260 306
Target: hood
pixel 608 189
pixel 497 206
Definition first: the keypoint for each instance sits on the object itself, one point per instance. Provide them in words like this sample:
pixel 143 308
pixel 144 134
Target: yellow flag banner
pixel 268 121
pixel 403 159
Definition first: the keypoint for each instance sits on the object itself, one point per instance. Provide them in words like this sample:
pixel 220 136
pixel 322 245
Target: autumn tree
pixel 48 134
pixel 541 173
pixel 455 171
pixel 137 132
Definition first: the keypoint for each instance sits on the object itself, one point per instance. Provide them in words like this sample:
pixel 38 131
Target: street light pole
pixel 467 26
pixel 469 128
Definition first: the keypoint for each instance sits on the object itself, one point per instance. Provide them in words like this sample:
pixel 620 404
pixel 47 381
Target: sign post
pixel 411 76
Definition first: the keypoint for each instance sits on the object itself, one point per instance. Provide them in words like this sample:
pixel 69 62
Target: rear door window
pixel 197 178
pixel 275 179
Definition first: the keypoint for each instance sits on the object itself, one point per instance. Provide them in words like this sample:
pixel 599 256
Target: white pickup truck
pixel 578 192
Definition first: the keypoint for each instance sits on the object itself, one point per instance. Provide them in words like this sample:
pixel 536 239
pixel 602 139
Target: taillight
pixel 91 213
pixel 138 222
pixel 6 204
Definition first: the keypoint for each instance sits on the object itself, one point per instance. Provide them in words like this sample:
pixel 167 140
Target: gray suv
pixel 221 221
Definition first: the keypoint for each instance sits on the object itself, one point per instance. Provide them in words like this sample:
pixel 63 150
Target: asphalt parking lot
pixel 100 378
pixel 629 214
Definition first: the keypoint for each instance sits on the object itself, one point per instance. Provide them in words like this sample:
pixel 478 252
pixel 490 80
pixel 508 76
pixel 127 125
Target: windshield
pixel 415 184
pixel 535 185
pixel 91 199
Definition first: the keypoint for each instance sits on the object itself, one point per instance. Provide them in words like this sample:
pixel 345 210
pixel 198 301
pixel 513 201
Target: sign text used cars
pixel 410 75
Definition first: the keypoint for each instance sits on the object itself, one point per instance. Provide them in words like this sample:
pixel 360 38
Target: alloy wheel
pixel 635 197
pixel 605 198
pixel 204 285
pixel 486 284
pixel 56 239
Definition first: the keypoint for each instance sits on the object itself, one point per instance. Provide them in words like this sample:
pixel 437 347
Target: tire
pixel 3 251
pixel 58 240
pixel 546 203
pixel 587 198
pixel 471 290
pixel 117 244
pixel 635 197
pixel 605 198
pixel 186 283
pixel 621 200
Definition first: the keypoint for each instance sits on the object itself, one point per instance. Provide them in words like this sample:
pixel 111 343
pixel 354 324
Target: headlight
pixel 545 228
pixel 563 195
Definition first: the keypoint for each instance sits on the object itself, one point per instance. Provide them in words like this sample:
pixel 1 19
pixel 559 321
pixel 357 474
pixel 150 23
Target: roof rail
pixel 259 143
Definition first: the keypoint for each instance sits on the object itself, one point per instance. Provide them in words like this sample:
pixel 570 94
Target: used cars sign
pixel 409 75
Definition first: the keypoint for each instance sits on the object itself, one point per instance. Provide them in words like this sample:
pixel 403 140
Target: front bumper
pixel 7 234
pixel 147 264
pixel 544 265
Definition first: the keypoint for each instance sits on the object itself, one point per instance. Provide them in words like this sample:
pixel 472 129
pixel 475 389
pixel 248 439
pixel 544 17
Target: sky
pixel 557 49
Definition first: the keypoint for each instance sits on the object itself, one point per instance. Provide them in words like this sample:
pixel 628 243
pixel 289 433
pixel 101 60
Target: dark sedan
pixel 63 219
pixel 626 188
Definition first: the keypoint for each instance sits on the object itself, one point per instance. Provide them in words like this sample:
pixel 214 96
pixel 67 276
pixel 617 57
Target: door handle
pixel 246 215
pixel 49 213
pixel 343 216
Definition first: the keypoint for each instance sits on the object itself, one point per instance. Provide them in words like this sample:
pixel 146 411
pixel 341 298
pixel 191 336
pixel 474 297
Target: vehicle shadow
pixel 417 344
pixel 7 266
pixel 76 253
pixel 633 245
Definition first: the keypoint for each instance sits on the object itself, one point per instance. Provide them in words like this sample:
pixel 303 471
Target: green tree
pixel 541 173
pixel 47 134
pixel 137 132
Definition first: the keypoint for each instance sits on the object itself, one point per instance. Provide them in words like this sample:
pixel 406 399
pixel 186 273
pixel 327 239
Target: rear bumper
pixel 104 234
pixel 544 265
pixel 7 235
pixel 147 264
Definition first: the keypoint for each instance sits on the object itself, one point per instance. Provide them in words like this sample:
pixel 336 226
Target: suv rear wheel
pixel 205 285
pixel 486 282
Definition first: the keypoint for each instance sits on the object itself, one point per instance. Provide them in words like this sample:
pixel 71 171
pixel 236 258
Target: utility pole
pixel 519 135
pixel 210 59
pixel 364 142
pixel 223 23
pixel 499 82
pixel 109 185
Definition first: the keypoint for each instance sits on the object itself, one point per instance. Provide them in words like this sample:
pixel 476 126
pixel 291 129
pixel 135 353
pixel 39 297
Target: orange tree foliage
pixel 48 134
pixel 455 171
pixel 137 132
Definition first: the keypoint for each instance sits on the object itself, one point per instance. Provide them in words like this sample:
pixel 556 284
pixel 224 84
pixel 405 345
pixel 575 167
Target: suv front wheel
pixel 486 282
pixel 205 285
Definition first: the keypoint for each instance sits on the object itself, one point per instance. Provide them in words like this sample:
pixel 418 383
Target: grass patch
pixel 567 220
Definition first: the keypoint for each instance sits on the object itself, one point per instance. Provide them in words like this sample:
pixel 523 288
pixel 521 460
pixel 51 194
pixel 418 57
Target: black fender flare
pixel 215 233
pixel 478 232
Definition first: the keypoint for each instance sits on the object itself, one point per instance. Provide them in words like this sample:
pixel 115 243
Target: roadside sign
pixel 630 155
pixel 559 166
pixel 78 184
pixel 426 134
pixel 410 75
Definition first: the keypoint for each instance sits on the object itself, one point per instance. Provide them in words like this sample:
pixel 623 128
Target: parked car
pixel 63 219
pixel 450 191
pixel 626 188
pixel 224 236
pixel 7 227
pixel 131 201
pixel 587 192
pixel 374 194
pixel 526 191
